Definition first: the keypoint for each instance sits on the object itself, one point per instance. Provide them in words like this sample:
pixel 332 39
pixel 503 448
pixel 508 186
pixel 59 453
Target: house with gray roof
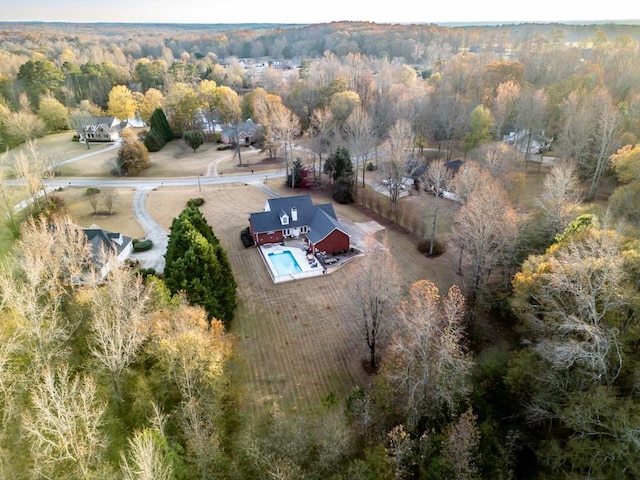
pixel 244 133
pixel 101 129
pixel 297 217
pixel 107 247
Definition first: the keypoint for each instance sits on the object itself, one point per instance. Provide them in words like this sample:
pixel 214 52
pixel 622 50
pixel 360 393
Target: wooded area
pixel 528 368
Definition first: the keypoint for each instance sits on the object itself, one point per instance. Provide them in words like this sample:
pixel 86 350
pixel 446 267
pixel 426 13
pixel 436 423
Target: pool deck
pixel 310 266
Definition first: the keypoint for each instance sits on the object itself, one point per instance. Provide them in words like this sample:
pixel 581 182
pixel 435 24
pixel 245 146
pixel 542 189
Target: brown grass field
pixel 295 348
pixel 174 160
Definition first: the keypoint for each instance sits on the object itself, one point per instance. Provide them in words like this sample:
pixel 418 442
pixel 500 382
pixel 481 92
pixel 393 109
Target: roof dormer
pixel 284 218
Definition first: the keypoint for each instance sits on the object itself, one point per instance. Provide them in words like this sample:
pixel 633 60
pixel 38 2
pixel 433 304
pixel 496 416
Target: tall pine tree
pixel 197 264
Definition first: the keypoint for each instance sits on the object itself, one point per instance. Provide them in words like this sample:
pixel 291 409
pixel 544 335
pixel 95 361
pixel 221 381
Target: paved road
pixel 154 258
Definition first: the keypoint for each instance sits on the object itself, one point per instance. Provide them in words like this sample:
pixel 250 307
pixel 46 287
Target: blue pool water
pixel 284 263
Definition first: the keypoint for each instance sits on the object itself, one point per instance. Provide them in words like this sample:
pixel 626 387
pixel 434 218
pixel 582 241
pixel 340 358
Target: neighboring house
pixel 283 64
pixel 294 217
pixel 245 133
pixel 113 246
pixel 539 143
pixel 453 166
pixel 102 129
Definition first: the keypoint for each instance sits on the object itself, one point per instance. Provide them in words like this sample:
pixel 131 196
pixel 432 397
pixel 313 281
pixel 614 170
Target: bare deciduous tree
pixel 360 137
pixel 606 138
pixel 570 293
pixel 109 195
pixel 470 176
pixel 504 105
pixel 436 179
pixel 118 321
pixel 64 425
pixel 50 258
pixel 372 297
pixel 461 446
pixel 531 117
pixel 398 165
pixel 323 134
pixel 561 195
pixel 428 363
pixel 31 168
pixel 485 227
pixel 286 126
pixel 147 458
pixel 194 354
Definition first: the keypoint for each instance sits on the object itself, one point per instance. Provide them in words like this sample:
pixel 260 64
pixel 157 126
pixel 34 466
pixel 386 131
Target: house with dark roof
pixel 109 246
pixel 101 129
pixel 296 217
pixel 245 133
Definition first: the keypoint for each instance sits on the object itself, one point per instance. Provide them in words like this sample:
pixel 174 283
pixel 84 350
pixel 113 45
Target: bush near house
pixel 195 202
pixel 142 245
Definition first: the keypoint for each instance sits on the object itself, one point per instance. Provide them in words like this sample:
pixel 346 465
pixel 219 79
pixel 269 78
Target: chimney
pixel 294 214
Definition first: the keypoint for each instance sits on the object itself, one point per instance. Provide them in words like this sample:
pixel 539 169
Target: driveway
pixel 153 258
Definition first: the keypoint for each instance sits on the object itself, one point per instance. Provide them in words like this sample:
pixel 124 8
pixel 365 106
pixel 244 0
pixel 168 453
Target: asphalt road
pixel 153 258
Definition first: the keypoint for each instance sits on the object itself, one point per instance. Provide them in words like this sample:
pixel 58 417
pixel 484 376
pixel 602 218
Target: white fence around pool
pixel 309 267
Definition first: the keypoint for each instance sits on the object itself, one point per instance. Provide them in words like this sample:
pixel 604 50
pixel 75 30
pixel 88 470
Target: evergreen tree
pixel 159 121
pixel 294 178
pixel 339 164
pixel 160 132
pixel 340 167
pixel 193 138
pixel 197 264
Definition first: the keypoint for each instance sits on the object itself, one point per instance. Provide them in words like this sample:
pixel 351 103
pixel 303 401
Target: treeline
pixel 109 377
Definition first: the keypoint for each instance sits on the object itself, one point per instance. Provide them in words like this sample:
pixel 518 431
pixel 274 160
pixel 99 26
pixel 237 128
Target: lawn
pixel 122 219
pixel 55 147
pixel 175 160
pixel 294 346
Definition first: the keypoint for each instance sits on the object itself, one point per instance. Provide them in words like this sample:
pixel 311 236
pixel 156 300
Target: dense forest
pixel 130 378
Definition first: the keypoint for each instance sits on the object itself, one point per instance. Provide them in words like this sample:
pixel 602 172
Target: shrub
pixel 193 138
pixel 142 245
pixel 370 167
pixel 92 191
pixel 342 190
pixel 424 245
pixel 133 156
pixel 195 202
pixel 154 141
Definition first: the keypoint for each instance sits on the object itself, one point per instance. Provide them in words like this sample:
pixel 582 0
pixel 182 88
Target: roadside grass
pixel 174 160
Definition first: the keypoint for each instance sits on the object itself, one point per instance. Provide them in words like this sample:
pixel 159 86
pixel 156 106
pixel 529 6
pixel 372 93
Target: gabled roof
pixel 321 219
pixel 322 224
pixel 108 123
pixel 102 241
pixel 452 165
pixel 269 220
pixel 244 127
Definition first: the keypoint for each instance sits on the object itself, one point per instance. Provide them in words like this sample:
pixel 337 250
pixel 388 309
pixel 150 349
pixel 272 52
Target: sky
pixel 288 11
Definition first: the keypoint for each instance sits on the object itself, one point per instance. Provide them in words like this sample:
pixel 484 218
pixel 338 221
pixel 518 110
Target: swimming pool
pixel 284 262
